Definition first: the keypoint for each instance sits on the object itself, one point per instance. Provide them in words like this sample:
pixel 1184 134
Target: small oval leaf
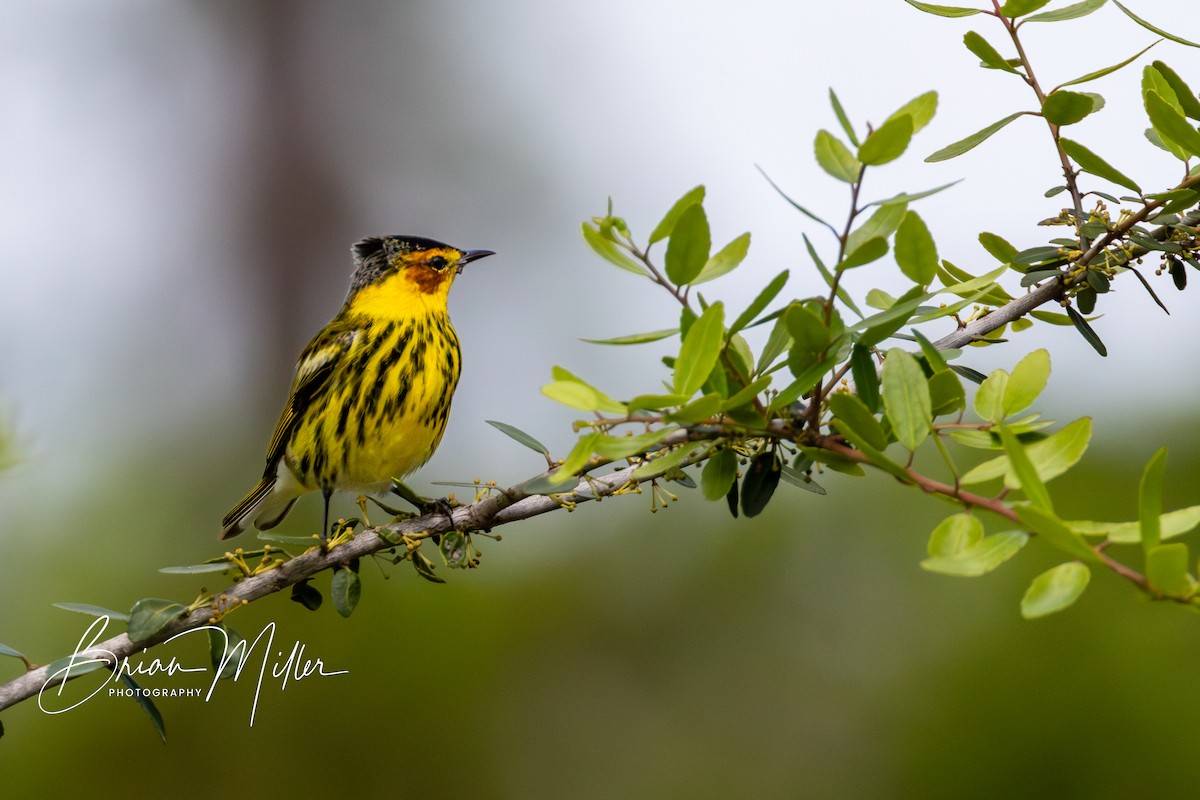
pixel 1055 589
pixel 688 247
pixel 762 477
pixel 345 590
pixel 150 615
pixel 519 435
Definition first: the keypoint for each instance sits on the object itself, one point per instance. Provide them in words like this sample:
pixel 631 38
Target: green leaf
pixel 197 569
pixel 146 704
pixel 866 379
pixel 1100 73
pixel 980 558
pixel 424 567
pixel 868 251
pixel 1167 569
pixel 570 390
pixel 916 252
pixel 946 393
pixel 882 223
pixel 667 225
pixel 886 143
pixel 906 398
pixel 1152 28
pixel 635 338
pixel 687 249
pixel 835 158
pixel 93 611
pixel 1051 456
pixel 615 447
pixel 1086 331
pixel 877 298
pixel 576 460
pixel 747 393
pixel 921 108
pixel 809 333
pixel 609 251
pixel 1074 11
pixel 1055 589
pixel 1188 103
pixel 1019 8
pixel 769 293
pixel 344 590
pixel 1172 524
pixel 700 350
pixel 457 551
pixel 1154 81
pixel 854 413
pixel 762 476
pixel 1056 532
pixel 778 342
pixel 5 650
pixel 973 289
pixel 1050 317
pixel 1150 501
pixel 998 247
pixel 719 474
pixel 1171 124
pixel 905 197
pixel 989 400
pixel 794 204
pixel 671 460
pixel 987 54
pixel 933 356
pixel 1027 381
pixel 955 534
pixel 702 408
pixel 223 651
pixel 963 145
pixel 866 445
pixel 944 11
pixel 880 326
pixel 150 615
pixel 970 374
pixel 843 120
pixel 724 260
pixel 656 402
pixel 1090 162
pixel 1022 467
pixel 1066 108
pixel 307 595
pixel 73 666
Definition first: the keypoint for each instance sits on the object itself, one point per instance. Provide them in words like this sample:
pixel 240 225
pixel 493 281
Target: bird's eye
pixel 438 263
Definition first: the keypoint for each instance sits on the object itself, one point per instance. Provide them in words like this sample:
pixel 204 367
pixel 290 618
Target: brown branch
pixel 500 508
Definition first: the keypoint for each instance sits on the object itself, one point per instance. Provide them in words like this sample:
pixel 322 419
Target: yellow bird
pixel 372 391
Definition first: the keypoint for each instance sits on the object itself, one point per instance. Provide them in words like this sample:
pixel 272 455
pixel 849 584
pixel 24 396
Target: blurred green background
pixel 183 180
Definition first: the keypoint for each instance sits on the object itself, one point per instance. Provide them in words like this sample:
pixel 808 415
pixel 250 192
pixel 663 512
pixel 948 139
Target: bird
pixel 371 395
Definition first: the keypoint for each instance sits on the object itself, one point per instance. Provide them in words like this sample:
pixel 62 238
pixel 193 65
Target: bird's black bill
pixel 472 255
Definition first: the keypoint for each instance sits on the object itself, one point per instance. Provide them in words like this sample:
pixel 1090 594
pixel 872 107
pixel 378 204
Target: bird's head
pixel 393 269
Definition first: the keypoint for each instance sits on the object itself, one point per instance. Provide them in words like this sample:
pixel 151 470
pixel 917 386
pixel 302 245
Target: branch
pixel 501 508
pixel 1056 289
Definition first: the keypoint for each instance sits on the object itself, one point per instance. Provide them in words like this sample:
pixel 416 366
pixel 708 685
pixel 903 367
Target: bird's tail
pixel 268 502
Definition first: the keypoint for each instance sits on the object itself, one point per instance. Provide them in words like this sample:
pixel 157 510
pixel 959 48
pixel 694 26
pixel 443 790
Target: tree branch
pixel 500 508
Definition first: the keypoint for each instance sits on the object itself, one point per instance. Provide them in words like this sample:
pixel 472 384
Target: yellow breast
pixel 386 408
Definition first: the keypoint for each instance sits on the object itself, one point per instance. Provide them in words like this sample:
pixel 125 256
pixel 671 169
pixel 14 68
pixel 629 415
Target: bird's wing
pixel 317 363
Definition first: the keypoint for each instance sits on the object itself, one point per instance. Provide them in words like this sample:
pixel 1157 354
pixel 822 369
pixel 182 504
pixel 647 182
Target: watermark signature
pixel 237 658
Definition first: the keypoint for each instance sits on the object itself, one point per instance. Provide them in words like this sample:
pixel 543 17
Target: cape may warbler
pixel 372 390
